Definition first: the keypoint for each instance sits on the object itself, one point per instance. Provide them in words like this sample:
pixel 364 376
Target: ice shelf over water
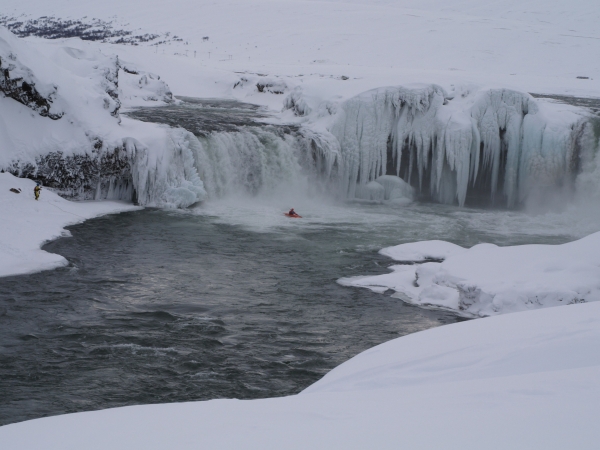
pixel 486 279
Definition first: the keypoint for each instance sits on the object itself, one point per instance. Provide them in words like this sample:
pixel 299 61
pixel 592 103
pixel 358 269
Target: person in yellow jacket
pixel 36 191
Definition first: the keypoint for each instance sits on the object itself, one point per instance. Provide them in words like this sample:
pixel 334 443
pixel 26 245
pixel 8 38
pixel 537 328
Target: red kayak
pixel 296 216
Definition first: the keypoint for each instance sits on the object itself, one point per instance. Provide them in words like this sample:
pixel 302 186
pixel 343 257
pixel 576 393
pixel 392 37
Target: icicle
pixel 519 147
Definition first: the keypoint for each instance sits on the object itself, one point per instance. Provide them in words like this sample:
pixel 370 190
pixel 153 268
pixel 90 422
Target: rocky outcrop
pixel 103 173
pixel 18 83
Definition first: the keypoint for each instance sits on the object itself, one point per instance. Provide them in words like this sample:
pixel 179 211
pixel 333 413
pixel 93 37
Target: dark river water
pixel 159 307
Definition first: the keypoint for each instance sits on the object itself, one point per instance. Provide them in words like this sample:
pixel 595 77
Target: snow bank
pixel 518 381
pixel 487 280
pixel 418 252
pixel 27 224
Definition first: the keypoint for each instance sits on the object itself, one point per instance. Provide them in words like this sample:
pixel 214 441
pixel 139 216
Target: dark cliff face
pixel 24 91
pixel 82 177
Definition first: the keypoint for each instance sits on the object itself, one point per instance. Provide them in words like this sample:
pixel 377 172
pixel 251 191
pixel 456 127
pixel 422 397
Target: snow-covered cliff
pixel 60 123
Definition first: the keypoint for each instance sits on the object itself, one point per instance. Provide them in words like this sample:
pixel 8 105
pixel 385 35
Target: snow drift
pixel 487 280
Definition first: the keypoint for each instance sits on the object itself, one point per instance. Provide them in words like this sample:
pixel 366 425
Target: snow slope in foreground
pixel 27 224
pixel 518 381
pixel 486 279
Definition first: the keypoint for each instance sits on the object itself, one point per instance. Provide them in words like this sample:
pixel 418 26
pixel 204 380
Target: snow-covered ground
pixel 537 46
pixel 519 381
pixel 487 280
pixel 27 224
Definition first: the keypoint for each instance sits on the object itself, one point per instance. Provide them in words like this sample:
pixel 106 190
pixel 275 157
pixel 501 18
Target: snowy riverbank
pixel 27 224
pixel 486 279
pixel 518 381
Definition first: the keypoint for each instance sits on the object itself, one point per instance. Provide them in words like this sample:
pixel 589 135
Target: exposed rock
pixel 271 86
pixel 85 176
pixel 18 83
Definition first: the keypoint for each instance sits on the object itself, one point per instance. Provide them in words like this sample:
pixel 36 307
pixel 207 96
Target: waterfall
pixel 184 168
pixel 391 144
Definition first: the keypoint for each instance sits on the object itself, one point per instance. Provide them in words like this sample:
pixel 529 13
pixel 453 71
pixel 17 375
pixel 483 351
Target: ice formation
pixel 487 280
pixel 498 142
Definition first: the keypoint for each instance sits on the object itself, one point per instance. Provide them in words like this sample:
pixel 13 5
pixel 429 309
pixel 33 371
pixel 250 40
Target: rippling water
pixel 228 300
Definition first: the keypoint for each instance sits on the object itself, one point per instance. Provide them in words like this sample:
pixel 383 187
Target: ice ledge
pixel 486 280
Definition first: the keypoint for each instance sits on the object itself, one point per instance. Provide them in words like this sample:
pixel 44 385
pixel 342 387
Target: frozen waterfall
pixel 498 143
pixel 387 145
pixel 184 168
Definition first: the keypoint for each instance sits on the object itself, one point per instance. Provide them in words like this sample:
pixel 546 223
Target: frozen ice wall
pixel 497 143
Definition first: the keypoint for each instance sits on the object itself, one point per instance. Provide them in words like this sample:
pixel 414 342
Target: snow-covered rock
pixel 395 188
pixel 371 191
pixel 487 280
pixel 418 252
pixel 137 87
pixel 19 83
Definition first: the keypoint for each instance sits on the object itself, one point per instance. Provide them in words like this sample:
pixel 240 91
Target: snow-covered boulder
pixel 138 87
pixel 371 191
pixel 386 187
pixel 487 280
pixel 395 188
pixel 418 252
